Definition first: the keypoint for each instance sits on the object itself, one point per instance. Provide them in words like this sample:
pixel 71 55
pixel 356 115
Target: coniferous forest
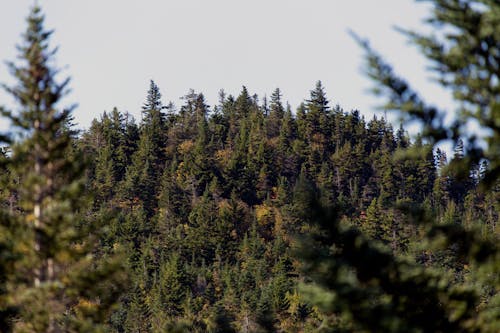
pixel 252 215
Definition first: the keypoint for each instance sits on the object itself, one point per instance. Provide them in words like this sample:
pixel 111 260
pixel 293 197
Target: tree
pixel 464 54
pixel 57 283
pixel 348 271
pixel 153 127
pixel 148 160
pixel 318 101
pixel 276 114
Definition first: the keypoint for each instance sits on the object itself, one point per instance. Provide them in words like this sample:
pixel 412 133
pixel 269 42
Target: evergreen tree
pixel 276 114
pixel 215 207
pixel 58 283
pixel 140 184
pixel 343 278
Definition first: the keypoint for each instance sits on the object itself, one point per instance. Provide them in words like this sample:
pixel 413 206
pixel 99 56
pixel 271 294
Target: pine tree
pixel 200 158
pixel 141 180
pixel 57 284
pixel 276 114
pixel 318 101
pixel 348 271
pixel 153 127
pixel 317 126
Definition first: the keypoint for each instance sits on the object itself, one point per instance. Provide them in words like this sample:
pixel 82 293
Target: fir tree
pixel 57 284
pixel 343 278
pixel 276 114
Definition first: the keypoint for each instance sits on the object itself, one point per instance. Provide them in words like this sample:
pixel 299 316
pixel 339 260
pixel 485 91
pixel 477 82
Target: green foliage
pixel 249 217
pixel 359 279
pixel 55 279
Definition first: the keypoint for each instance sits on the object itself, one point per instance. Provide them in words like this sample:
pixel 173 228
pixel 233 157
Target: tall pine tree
pixel 57 284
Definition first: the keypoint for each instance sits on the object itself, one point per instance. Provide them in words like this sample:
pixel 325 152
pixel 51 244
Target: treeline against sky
pixel 211 202
pixel 251 216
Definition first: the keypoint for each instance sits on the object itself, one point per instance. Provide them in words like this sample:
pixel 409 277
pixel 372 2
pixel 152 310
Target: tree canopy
pixel 251 216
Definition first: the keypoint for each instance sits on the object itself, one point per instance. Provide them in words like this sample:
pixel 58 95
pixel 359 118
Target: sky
pixel 112 48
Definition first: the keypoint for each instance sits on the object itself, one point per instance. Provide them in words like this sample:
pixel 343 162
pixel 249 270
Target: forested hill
pixel 251 216
pixel 211 201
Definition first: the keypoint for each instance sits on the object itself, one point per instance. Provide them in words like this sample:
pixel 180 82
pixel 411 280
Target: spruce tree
pixel 276 114
pixel 141 185
pixel 153 127
pixel 348 271
pixel 57 284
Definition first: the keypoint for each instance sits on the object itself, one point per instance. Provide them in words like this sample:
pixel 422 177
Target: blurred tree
pixel 347 271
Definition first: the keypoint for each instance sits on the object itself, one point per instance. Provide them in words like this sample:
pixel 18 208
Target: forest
pixel 252 215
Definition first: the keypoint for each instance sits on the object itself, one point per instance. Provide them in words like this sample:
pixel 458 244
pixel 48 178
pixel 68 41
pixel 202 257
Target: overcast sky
pixel 112 48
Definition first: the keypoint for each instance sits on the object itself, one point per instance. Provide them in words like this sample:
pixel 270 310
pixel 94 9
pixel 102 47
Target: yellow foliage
pixel 318 138
pixel 181 173
pixel 294 301
pixel 278 221
pixel 273 142
pixel 264 214
pixel 222 156
pixel 224 205
pixel 185 147
pixel 85 306
pixel 30 218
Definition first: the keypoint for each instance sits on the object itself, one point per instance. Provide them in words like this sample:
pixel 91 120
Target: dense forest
pixel 253 216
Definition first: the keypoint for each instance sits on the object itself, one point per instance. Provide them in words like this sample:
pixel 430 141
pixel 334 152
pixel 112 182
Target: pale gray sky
pixel 112 48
